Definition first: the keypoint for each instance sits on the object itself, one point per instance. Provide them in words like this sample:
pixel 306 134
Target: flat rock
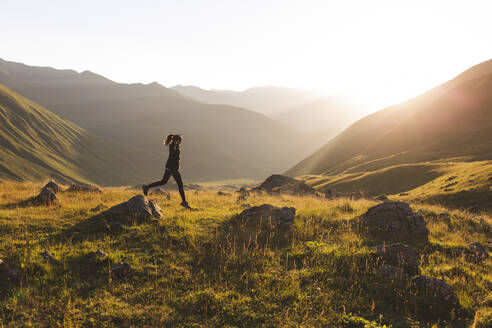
pixel 399 255
pixel 136 209
pixel 393 222
pixel 435 296
pixel 277 183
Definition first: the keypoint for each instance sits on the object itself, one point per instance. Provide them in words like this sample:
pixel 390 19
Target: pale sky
pixel 382 52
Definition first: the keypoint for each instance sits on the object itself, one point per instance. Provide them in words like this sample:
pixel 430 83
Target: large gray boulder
pixel 392 222
pixel 136 209
pixel 277 183
pixel 434 296
pixel 399 255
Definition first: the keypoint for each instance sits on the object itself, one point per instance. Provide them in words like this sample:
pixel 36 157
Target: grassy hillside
pixel 266 100
pixel 454 119
pixel 188 273
pixel 220 141
pixel 36 144
pixel 454 183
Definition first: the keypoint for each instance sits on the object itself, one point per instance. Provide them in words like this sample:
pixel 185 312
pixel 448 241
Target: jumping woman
pixel 172 168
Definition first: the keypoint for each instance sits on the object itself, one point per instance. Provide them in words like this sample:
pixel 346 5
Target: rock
pixel 243 191
pixel 222 193
pixel 434 296
pixel 382 198
pixel 46 197
pixel 476 252
pixel 285 185
pixel 49 257
pixel 393 222
pixel 81 187
pixel 136 209
pixel 390 272
pixel 399 255
pixel 120 270
pixel 52 186
pixel 98 208
pixel 448 189
pixel 404 194
pixel 9 272
pixel 280 217
pixel 451 178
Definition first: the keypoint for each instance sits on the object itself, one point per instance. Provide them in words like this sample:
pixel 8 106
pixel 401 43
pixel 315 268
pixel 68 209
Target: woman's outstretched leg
pixel 179 182
pixel 164 180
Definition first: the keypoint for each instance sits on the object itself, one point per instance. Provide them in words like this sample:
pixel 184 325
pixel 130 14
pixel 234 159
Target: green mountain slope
pixel 220 141
pixel 36 144
pixel 454 119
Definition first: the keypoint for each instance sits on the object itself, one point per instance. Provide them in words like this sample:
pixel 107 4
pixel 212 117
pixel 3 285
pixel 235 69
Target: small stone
pixel 222 193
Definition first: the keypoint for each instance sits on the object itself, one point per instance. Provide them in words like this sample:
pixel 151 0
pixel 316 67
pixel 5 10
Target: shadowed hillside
pixel 454 119
pixel 220 141
pixel 36 144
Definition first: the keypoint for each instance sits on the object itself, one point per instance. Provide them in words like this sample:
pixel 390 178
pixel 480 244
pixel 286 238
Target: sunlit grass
pixel 190 272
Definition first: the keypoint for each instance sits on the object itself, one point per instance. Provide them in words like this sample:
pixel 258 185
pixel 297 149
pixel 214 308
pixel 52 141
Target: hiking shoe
pixel 185 205
pixel 145 190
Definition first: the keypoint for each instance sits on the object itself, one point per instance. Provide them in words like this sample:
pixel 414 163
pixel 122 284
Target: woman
pixel 172 168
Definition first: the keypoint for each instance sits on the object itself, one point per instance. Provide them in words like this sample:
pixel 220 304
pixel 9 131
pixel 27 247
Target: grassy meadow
pixel 189 270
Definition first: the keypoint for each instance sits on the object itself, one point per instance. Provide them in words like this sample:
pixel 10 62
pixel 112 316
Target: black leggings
pixel 165 178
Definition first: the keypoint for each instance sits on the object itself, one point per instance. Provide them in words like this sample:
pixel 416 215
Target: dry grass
pixel 189 273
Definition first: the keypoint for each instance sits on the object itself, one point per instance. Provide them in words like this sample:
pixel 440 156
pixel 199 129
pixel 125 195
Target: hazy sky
pixel 381 51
